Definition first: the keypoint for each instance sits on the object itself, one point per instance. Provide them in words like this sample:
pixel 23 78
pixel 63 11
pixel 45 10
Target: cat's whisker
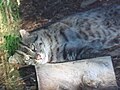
pixel 78 36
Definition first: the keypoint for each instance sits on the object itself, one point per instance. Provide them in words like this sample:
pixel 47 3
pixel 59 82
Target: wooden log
pixel 89 74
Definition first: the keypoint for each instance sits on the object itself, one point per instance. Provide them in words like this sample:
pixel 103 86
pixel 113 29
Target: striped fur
pixel 78 36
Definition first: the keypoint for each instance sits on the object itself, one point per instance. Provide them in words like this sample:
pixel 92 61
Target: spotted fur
pixel 78 36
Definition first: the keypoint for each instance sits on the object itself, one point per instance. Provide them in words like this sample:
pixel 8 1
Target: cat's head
pixel 36 45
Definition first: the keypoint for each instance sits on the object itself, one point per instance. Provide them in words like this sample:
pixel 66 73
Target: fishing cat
pixel 76 37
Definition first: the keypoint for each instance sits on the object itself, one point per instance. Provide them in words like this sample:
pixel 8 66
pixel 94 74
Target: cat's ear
pixel 24 34
pixel 28 38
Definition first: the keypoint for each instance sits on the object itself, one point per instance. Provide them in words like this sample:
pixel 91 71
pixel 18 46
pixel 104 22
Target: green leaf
pixel 1 2
pixel 11 43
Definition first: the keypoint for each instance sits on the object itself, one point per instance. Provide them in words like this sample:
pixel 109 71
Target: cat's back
pixel 100 23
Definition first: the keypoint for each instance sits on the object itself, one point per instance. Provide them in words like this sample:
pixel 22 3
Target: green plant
pixel 11 43
pixel 9 24
pixel 9 10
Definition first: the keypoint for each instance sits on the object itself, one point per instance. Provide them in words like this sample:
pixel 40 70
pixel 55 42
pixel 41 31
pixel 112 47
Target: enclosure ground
pixel 39 13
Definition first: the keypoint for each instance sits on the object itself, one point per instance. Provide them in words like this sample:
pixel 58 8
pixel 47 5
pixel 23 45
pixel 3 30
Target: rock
pixel 89 74
pixel 2 87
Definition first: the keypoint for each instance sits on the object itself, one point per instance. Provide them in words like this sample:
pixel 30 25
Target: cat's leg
pixel 72 49
pixel 88 52
pixel 76 50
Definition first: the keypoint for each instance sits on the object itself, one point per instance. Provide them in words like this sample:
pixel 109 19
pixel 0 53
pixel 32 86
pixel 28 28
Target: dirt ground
pixel 39 13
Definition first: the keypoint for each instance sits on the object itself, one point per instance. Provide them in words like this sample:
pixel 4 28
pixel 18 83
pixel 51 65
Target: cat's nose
pixel 38 57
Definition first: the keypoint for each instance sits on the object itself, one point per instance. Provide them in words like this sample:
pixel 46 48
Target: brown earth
pixel 38 13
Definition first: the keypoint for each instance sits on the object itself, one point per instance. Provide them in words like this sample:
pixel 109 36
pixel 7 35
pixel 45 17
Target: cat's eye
pixel 40 44
pixel 41 51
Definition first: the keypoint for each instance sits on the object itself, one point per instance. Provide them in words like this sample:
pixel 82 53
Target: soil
pixel 39 13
